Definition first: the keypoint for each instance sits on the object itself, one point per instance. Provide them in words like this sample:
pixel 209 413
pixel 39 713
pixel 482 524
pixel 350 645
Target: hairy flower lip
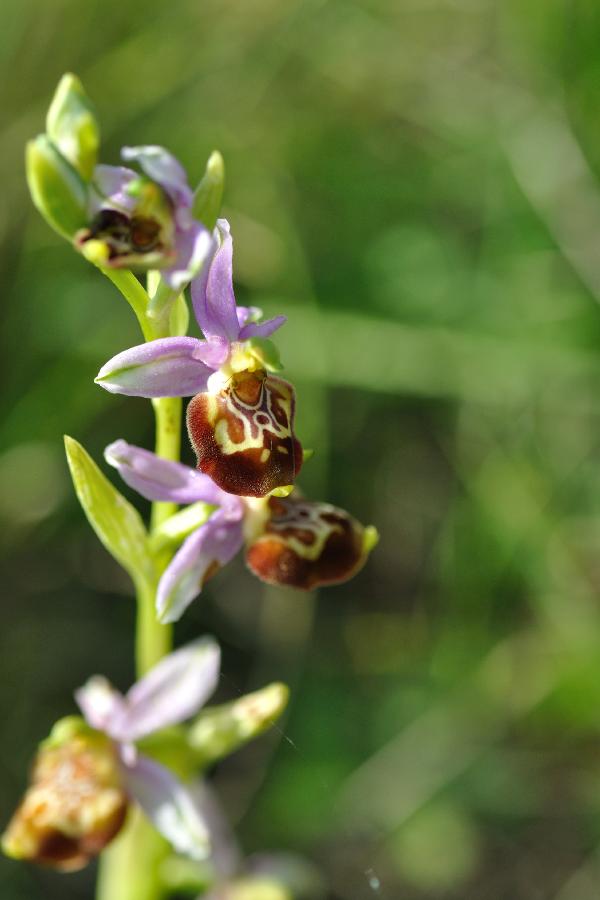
pixel 243 435
pixel 306 545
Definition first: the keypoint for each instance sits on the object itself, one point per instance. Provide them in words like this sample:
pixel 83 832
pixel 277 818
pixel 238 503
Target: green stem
pixel 129 868
pixel 167 411
pixel 135 295
pixel 152 639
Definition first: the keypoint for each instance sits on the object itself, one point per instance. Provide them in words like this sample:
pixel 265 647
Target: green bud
pixel 220 730
pixel 209 193
pixel 56 189
pixel 72 126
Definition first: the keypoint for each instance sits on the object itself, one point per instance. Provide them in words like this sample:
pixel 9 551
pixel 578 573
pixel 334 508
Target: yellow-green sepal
pixel 57 190
pixel 72 126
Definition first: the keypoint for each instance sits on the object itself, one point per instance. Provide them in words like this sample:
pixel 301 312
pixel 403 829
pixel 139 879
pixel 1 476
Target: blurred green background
pixel 415 184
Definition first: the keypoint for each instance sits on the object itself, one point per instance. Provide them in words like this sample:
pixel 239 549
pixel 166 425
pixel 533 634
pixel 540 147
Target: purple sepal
pixel 213 298
pixel 162 167
pixel 168 367
pixel 213 543
pixel 110 189
pixel 193 246
pixel 248 313
pixel 160 479
pixel 212 293
pixel 169 805
pixel 171 692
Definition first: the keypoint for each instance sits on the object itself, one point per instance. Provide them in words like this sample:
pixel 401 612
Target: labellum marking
pixel 307 544
pixel 235 432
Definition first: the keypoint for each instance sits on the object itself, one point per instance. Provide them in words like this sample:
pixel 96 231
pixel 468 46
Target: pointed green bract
pixel 116 522
pixel 209 193
pixel 56 189
pixel 72 126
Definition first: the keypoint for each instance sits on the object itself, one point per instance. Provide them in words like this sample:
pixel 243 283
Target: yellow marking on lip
pixel 221 427
pixel 283 450
pixel 212 410
pixel 313 523
pixel 265 455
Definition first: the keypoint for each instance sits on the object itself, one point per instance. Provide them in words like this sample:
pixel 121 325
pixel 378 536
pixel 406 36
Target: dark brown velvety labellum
pixel 73 808
pixel 306 545
pixel 243 436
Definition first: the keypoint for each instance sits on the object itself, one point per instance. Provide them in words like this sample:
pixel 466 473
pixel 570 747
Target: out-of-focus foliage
pixel 416 182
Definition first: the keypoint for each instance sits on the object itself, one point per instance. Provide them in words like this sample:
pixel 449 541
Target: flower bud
pixel 140 235
pixel 307 545
pixel 220 730
pixel 72 126
pixel 209 193
pixel 75 804
pixel 56 189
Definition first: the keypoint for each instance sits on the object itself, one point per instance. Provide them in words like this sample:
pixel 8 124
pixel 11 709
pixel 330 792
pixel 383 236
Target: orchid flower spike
pixel 86 775
pixel 144 221
pixel 241 420
pixel 289 541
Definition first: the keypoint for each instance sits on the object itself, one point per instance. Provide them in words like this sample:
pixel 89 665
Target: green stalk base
pixel 129 867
